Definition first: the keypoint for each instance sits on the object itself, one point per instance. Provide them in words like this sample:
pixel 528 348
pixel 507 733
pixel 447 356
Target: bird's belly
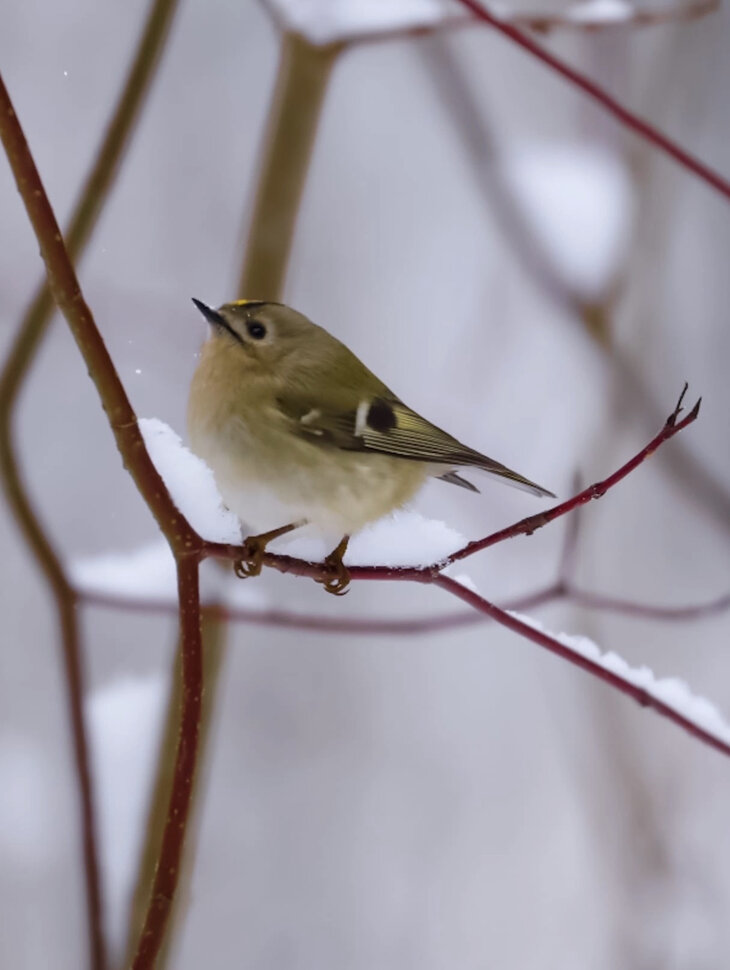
pixel 272 481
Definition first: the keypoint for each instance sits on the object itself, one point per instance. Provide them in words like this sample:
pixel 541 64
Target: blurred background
pixel 539 282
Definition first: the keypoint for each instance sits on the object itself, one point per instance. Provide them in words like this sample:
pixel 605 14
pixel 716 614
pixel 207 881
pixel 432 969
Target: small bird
pixel 298 431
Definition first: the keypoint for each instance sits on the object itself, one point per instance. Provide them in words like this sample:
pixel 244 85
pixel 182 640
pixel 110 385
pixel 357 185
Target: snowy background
pixel 457 800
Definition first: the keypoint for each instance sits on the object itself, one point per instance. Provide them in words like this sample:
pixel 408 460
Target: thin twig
pixel 425 574
pixel 64 286
pixel 33 327
pixel 604 99
pixel 173 836
pixel 188 548
pixel 534 522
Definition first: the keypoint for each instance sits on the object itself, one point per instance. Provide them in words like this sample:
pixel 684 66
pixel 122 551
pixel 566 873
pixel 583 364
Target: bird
pixel 298 431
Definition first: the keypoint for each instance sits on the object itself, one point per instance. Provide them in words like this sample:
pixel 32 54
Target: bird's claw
pixel 251 562
pixel 336 579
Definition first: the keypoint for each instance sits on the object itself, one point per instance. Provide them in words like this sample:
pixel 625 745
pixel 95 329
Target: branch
pixel 578 17
pixel 64 287
pixel 168 865
pixel 301 86
pixel 427 574
pixel 22 352
pixel 188 548
pixel 417 625
pixel 642 695
pixel 604 99
pixel 598 490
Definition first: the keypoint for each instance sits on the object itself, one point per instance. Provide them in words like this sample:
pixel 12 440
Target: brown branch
pixel 639 694
pixel 301 86
pixel 450 79
pixel 534 522
pixel 645 611
pixel 22 352
pixel 426 574
pixel 188 548
pixel 604 99
pixel 168 864
pixel 66 291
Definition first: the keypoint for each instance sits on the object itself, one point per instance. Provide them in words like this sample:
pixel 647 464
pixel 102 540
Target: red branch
pixel 534 522
pixel 173 836
pixel 427 574
pixel 189 549
pixel 639 694
pixel 624 116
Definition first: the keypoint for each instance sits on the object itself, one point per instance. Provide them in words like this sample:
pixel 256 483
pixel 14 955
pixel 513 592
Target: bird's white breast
pixel 270 477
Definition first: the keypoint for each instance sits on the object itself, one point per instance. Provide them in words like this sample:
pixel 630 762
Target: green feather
pixel 387 426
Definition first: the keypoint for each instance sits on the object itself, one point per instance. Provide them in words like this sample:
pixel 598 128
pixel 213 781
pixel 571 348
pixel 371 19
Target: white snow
pixel 125 720
pixel 600 11
pixel 578 201
pixel 28 822
pixel 146 573
pixel 461 578
pixel 405 538
pixel 670 690
pixel 330 21
pixel 190 482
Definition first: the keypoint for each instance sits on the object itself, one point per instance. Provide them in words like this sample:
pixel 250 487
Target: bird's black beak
pixel 211 315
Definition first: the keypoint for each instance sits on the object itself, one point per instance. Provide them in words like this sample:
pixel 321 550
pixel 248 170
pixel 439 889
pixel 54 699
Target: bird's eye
pixel 256 330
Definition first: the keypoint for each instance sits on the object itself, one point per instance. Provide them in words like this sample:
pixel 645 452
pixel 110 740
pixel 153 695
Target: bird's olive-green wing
pixel 389 427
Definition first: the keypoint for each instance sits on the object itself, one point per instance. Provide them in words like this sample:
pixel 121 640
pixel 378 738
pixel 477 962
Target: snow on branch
pixel 406 547
pixel 669 697
pixel 189 548
pixel 326 22
pixel 411 548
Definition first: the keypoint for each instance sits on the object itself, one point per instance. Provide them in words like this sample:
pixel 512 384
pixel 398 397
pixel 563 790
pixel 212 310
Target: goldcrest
pixel 298 431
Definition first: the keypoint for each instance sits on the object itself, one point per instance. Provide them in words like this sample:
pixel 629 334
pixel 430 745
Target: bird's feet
pixel 336 578
pixel 254 548
pixel 252 560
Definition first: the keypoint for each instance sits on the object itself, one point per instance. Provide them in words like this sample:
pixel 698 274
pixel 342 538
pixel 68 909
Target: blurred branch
pixel 213 633
pixel 452 85
pixel 561 589
pixel 301 85
pixel 302 80
pixel 167 869
pixel 157 808
pixel 604 99
pixel 578 17
pixel 184 541
pixel 189 549
pixel 33 327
